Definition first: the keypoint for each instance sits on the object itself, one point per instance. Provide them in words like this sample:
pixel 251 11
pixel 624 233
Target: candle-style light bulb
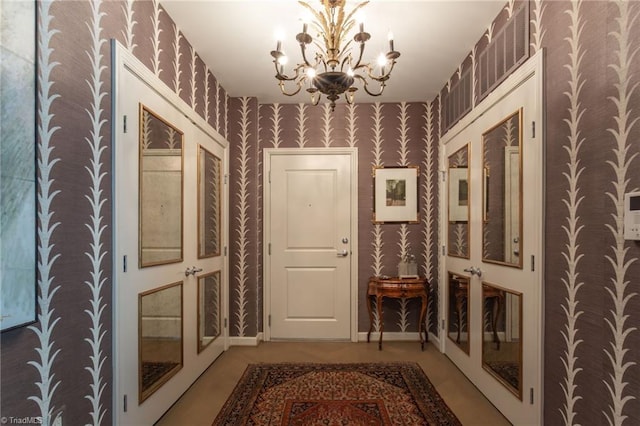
pixel 360 20
pixel 390 38
pixel 305 18
pixel 279 36
pixel 382 61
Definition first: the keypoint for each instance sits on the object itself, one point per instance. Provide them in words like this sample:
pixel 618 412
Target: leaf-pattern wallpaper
pixel 388 135
pixel 62 363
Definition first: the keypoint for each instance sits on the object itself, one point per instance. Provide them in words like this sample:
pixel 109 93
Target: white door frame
pixel 532 69
pixel 268 153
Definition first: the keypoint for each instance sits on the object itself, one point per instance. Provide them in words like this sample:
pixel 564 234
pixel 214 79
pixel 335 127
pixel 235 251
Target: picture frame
pixel 395 197
pixel 458 194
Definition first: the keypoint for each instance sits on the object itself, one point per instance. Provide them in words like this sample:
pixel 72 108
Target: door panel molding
pixel 268 155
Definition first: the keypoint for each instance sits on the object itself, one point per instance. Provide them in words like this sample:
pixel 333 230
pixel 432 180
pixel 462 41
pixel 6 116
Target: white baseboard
pixel 245 341
pixel 391 336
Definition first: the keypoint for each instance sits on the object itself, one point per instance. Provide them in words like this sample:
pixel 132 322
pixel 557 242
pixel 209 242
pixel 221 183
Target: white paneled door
pixel 310 240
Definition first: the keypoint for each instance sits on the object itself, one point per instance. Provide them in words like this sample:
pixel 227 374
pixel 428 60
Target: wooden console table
pixel 397 288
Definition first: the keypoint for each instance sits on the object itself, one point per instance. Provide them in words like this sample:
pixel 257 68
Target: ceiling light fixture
pixel 333 71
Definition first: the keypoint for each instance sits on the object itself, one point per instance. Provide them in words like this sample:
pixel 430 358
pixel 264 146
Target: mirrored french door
pixel 491 280
pixel 170 267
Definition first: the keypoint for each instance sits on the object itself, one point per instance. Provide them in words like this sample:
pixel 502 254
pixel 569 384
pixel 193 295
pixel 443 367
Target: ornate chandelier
pixel 333 70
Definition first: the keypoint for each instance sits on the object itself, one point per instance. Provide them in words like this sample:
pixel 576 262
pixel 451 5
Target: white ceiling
pixel 235 37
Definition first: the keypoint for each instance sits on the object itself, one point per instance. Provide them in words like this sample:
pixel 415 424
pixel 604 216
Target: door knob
pixel 473 270
pixel 343 253
pixel 192 271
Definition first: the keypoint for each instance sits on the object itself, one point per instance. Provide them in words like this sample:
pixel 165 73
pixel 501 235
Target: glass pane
pixel 501 343
pixel 459 199
pixel 160 191
pixel 209 309
pixel 209 203
pixel 502 193
pixel 458 311
pixel 160 337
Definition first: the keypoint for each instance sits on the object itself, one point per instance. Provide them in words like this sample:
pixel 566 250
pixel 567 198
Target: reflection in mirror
pixel 160 337
pixel 458 311
pixel 18 184
pixel 502 192
pixel 209 309
pixel 209 196
pixel 501 343
pixel 160 191
pixel 459 199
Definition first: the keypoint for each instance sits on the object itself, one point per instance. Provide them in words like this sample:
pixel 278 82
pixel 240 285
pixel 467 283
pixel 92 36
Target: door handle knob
pixel 192 271
pixel 473 270
pixel 343 253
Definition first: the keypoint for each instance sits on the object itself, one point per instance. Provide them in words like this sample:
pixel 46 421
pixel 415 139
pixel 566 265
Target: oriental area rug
pixel 335 394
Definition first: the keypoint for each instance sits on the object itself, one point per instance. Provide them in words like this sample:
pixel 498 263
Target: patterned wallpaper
pixel 62 363
pixel 592 276
pixel 400 134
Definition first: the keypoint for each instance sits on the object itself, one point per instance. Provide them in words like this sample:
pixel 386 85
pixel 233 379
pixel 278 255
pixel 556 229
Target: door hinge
pixel 225 179
pixel 531 396
pixel 533 263
pixel 124 124
pixel 533 129
pixel 269 176
pixel 269 320
pixel 124 406
pixel 124 263
pixel 444 175
pixel 444 250
pixel 269 249
pixel 225 250
pixel 443 324
pixel 225 323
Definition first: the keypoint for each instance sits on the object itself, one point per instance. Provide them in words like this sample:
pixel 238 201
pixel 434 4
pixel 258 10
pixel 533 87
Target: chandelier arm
pixel 283 77
pixel 303 49
pixel 349 98
pixel 382 78
pixel 366 88
pixel 359 57
pixel 299 85
pixel 315 100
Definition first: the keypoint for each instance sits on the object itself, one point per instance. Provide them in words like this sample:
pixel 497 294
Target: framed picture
pixel 458 194
pixel 395 196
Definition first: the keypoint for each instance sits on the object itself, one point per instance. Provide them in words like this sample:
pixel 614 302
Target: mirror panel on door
pixel 160 337
pixel 502 192
pixel 209 309
pixel 502 331
pixel 459 202
pixel 458 311
pixel 209 205
pixel 161 191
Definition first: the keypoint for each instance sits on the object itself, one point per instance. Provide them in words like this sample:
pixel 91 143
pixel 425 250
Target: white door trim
pixel 268 153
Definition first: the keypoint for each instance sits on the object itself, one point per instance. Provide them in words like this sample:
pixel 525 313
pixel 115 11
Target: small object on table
pixel 397 288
